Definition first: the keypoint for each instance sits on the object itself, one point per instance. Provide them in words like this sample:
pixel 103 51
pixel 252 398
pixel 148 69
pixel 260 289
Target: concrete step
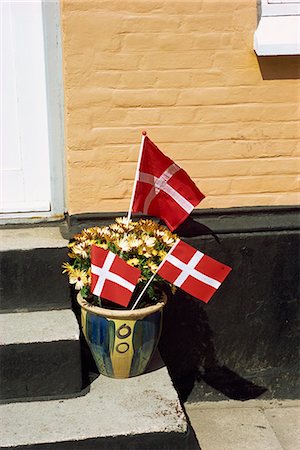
pixel 136 413
pixel 31 273
pixel 40 354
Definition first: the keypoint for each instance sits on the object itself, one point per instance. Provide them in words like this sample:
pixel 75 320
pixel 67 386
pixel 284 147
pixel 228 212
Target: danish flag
pixel 112 277
pixel 191 270
pixel 163 189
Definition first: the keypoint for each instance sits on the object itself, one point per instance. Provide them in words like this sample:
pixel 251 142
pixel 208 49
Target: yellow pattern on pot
pixel 122 351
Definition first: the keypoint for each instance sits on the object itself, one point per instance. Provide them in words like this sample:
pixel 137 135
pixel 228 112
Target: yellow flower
pixel 154 252
pixel 79 278
pixel 152 266
pixel 162 254
pixel 143 251
pixel 133 262
pixel 102 245
pixel 168 239
pixel 113 237
pixel 147 225
pixel 77 237
pixel 88 233
pixel 67 268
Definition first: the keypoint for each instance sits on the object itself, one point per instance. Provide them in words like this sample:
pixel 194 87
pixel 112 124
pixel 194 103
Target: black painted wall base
pixel 245 342
pixel 32 280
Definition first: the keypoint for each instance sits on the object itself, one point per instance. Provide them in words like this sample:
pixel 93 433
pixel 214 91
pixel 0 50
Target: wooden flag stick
pixel 144 134
pixel 144 290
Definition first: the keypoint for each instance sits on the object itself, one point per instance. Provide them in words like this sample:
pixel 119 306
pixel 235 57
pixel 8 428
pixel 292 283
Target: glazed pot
pixel 122 342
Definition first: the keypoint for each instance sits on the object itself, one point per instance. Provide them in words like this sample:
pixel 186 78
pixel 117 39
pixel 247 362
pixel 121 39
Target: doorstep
pixel 40 354
pixel 31 272
pixel 27 238
pixel 140 412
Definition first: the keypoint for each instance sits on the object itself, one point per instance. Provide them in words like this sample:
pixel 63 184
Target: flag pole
pixel 152 276
pixel 144 290
pixel 144 134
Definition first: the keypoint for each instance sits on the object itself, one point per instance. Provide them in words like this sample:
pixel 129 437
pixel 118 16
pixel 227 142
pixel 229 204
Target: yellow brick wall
pixel 186 72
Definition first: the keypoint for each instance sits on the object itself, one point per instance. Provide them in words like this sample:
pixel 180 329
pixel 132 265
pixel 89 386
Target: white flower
pixel 79 278
pixel 134 242
pixel 116 228
pixel 149 241
pixel 168 240
pixel 122 220
pixel 82 249
pixel 103 232
pixel 123 244
pixel 125 224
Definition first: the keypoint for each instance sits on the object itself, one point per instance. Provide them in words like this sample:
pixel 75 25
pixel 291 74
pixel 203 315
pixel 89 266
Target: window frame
pixel 277 32
pixel 280 8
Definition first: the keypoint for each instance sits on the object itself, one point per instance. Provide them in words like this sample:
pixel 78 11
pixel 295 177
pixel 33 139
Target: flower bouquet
pixel 142 244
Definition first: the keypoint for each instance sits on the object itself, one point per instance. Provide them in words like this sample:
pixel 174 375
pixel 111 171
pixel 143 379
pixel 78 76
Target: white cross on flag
pixel 163 189
pixel 191 270
pixel 112 277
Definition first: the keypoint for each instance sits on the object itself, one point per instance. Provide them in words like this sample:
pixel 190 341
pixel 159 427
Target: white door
pixel 25 168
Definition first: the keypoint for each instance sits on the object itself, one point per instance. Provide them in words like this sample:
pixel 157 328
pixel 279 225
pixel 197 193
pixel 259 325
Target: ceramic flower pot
pixel 122 342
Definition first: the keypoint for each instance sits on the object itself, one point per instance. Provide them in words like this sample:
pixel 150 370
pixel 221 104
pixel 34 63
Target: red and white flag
pixel 191 270
pixel 112 277
pixel 163 189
